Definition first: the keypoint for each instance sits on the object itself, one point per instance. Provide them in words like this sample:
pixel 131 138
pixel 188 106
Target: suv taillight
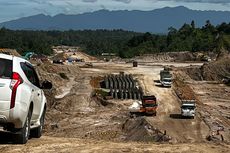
pixel 16 81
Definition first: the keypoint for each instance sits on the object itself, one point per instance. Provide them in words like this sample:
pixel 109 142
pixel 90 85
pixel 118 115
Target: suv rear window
pixel 30 74
pixel 5 68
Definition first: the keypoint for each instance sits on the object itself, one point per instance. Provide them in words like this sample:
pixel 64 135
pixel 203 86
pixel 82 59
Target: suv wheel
pixel 37 132
pixel 24 133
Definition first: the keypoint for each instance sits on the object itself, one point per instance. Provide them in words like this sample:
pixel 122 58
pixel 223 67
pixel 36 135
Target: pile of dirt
pixel 183 56
pixel 138 129
pixel 213 71
pixel 223 54
pixel 153 57
pixel 85 56
pixel 216 71
pixel 10 52
pixel 96 81
pixel 194 73
pixel 61 56
pixel 183 91
pixel 51 72
pixel 169 57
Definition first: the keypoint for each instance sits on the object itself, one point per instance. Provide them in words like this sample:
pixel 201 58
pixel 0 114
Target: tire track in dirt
pixel 181 130
pixel 69 145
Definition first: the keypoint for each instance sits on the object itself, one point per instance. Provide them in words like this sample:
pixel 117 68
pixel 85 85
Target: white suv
pixel 22 102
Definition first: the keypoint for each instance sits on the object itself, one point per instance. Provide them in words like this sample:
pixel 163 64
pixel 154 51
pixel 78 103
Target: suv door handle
pixel 32 90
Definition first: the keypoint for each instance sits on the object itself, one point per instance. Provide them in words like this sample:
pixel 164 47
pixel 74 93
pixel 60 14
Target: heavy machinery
pixel 188 108
pixel 166 78
pixel 147 106
pixel 28 55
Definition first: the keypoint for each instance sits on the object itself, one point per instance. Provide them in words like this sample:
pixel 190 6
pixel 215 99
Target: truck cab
pixel 188 108
pixel 149 105
pixel 165 78
pixel 166 82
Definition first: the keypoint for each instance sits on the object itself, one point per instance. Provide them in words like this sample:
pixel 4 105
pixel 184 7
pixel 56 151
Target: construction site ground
pixel 77 122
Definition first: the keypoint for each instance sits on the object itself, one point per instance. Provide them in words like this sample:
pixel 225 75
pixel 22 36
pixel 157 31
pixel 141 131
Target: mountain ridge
pixel 155 21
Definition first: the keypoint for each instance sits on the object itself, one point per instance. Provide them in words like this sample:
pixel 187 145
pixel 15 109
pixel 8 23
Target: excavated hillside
pixel 213 71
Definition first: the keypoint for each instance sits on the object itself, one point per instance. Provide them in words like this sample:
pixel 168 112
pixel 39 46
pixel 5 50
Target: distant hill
pixel 156 21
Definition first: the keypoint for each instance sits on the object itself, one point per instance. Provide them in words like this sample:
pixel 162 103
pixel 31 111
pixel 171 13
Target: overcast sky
pixel 13 9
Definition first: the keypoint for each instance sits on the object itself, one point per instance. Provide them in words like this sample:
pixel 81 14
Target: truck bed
pixel 183 91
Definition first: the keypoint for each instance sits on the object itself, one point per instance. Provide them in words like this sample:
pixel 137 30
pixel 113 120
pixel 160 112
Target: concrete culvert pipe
pixel 115 94
pixel 121 94
pixel 127 81
pixel 106 82
pixel 130 95
pixel 134 95
pixel 126 95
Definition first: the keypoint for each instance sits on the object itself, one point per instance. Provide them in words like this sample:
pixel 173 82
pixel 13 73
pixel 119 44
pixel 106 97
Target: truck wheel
pixel 133 115
pixel 24 133
pixel 37 132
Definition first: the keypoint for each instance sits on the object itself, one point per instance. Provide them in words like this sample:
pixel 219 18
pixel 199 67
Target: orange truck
pixel 147 106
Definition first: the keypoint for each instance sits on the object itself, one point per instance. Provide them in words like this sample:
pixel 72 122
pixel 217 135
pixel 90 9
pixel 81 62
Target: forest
pixel 124 43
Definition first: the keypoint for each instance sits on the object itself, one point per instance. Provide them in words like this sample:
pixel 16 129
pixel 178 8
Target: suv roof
pixel 11 57
pixel 5 56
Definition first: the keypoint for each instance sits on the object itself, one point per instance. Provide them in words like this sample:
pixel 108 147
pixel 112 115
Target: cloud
pixel 11 3
pixel 123 1
pixel 23 8
pixel 41 10
pixel 42 2
pixel 103 7
pixel 200 1
pixel 89 1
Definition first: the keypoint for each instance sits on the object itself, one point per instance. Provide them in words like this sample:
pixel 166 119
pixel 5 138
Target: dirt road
pixel 73 145
pixel 168 113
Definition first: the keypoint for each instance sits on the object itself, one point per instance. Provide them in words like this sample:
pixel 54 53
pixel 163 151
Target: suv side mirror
pixel 46 85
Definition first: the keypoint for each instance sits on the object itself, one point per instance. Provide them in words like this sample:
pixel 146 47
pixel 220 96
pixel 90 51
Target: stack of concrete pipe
pixel 123 86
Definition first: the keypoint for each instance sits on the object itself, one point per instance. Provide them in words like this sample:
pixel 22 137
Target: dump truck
pixel 188 108
pixel 147 105
pixel 165 78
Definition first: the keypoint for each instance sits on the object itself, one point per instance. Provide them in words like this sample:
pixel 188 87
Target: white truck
pixel 165 78
pixel 22 101
pixel 188 108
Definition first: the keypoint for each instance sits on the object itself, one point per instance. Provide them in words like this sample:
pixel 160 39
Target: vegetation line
pixel 123 43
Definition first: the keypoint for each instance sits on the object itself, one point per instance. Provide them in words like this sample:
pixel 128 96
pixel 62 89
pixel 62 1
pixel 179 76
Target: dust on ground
pixel 69 145
pixel 212 93
pixel 76 122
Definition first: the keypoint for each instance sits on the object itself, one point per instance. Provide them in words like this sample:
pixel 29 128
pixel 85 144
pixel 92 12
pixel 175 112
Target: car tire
pixel 24 133
pixel 37 132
